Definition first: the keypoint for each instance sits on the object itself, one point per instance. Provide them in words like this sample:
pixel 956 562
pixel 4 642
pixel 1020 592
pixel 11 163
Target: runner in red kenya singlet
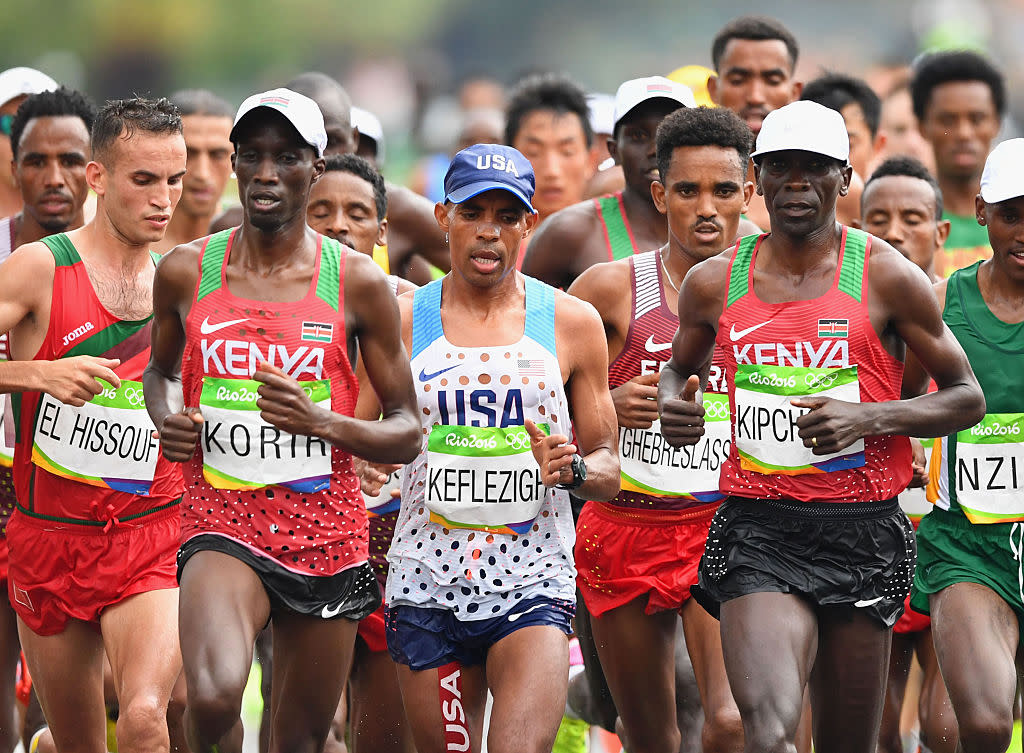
pixel 637 554
pixel 265 320
pixel 809 558
pixel 93 495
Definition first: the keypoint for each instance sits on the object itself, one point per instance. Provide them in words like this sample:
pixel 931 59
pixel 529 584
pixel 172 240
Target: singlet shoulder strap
pixel 739 269
pixel 211 262
pixel 851 273
pixel 540 314
pixel 64 252
pixel 328 279
pixel 426 317
pixel 616 231
pixel 646 283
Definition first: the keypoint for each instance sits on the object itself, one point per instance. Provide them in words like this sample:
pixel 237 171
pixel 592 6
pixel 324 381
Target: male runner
pixel 959 99
pixel 264 322
pixel 861 109
pixel 902 205
pixel 371 136
pixel 637 554
pixel 898 127
pixel 809 558
pixel 206 119
pixel 50 148
pixel 969 545
pixel 625 223
pixel 482 584
pixel 92 492
pixel 349 204
pixel 15 85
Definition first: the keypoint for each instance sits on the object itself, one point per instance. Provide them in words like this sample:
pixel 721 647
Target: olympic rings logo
pixel 820 381
pixel 134 397
pixel 518 441
pixel 717 410
pixel 309 392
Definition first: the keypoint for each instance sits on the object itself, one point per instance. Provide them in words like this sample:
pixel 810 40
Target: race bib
pixel 107 442
pixel 483 478
pixel 242 451
pixel 767 437
pixel 990 469
pixel 385 502
pixel 650 465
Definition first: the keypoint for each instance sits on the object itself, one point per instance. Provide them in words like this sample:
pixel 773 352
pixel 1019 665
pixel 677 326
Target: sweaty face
pixel 341 205
pixel 556 146
pixel 208 147
pixel 50 170
pixel 754 78
pixel 140 185
pixel 800 189
pixel 1005 222
pixel 900 210
pixel 960 121
pixel 703 198
pixel 862 144
pixel 275 169
pixel 484 235
pixel 634 146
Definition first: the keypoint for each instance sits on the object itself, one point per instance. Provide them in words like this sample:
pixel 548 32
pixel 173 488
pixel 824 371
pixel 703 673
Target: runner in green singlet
pixel 970 574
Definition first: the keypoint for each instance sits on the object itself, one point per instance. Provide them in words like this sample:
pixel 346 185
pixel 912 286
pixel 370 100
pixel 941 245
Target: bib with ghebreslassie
pixel 483 477
pixel 242 451
pixel 767 436
pixel 650 465
pixel 988 469
pixel 107 442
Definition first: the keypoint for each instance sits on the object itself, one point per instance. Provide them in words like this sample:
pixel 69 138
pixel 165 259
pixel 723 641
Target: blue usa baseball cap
pixel 484 167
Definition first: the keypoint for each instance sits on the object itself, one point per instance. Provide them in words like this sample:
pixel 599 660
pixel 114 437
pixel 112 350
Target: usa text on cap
pixel 300 110
pixel 485 167
pixel 1003 177
pixel 807 127
pixel 639 90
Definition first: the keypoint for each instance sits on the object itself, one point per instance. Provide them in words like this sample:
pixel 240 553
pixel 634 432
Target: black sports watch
pixel 579 473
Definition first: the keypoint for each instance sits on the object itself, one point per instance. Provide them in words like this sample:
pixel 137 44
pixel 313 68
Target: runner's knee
pixel 723 731
pixel 985 731
pixel 142 724
pixel 654 738
pixel 213 707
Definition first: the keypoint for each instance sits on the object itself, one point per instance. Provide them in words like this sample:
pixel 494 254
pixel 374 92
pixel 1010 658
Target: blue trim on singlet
pixel 540 314
pixel 426 317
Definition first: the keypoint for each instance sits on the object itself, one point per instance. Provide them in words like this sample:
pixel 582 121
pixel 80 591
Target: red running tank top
pixel 309 525
pixel 81 325
pixel 654 474
pixel 801 339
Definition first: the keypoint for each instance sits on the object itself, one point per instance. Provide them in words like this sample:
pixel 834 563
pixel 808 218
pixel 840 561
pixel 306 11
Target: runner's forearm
pixel 163 394
pixel 933 415
pixel 603 479
pixel 396 438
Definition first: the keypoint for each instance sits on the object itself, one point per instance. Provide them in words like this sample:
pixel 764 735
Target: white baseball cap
pixel 1002 178
pixel 301 111
pixel 15 82
pixel 369 125
pixel 639 90
pixel 804 126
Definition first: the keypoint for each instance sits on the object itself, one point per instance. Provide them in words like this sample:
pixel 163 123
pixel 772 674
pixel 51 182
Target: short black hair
pixel 702 126
pixel 546 91
pixel 837 90
pixel 361 168
pixel 910 167
pixel 201 102
pixel 52 104
pixel 128 116
pixel 939 68
pixel 758 29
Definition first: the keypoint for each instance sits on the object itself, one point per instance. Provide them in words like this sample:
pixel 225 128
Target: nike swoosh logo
pixel 868 602
pixel 206 328
pixel 735 334
pixel 514 617
pixel 653 347
pixel 425 377
pixel 327 613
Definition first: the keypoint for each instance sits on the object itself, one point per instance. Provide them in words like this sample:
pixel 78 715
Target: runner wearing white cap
pixel 15 85
pixel 969 574
pixel 809 558
pixel 371 136
pixel 255 335
pixel 625 223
